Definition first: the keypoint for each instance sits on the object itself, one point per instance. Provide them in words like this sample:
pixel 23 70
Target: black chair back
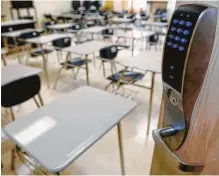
pixel 20 91
pixel 62 42
pixel 76 27
pixel 154 38
pixel 108 32
pixel 109 52
pixel 28 35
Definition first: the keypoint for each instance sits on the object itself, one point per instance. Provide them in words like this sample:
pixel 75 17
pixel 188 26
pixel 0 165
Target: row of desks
pixel 91 47
pixel 44 133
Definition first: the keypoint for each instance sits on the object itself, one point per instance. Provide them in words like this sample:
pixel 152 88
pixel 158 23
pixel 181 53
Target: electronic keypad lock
pixel 186 56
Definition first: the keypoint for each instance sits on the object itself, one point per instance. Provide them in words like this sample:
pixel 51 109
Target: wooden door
pixel 202 142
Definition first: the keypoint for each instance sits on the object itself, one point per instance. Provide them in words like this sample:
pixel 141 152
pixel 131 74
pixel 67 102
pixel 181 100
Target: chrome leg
pixel 57 78
pixel 12 113
pixel 121 148
pixel 45 66
pixel 104 71
pixel 150 102
pixel 87 69
pixel 76 73
pixel 108 86
pixel 35 100
pixel 41 100
pixel 133 44
pixel 3 60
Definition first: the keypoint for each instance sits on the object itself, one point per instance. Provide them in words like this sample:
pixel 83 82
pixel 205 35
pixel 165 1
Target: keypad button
pixel 176 38
pixel 171 77
pixel 179 30
pixel 169 43
pixel 173 28
pixel 188 23
pixel 172 67
pixel 181 22
pixel 175 46
pixel 183 40
pixel 175 21
pixel 186 32
pixel 171 36
pixel 181 48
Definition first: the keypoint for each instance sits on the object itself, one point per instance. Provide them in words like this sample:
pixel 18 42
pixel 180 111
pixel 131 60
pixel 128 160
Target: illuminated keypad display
pixel 177 42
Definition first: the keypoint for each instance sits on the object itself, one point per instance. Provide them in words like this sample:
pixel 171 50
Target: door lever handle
pixel 174 160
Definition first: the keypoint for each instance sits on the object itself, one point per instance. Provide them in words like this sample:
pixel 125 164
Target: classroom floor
pixel 103 157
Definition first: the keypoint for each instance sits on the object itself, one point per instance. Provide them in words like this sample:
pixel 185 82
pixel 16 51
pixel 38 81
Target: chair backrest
pixel 20 91
pixel 108 31
pixel 76 27
pixel 154 38
pixel 28 35
pixel 62 42
pixel 109 52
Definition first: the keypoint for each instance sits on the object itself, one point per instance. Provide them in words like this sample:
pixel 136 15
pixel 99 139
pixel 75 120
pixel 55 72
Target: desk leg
pixel 45 66
pixel 3 60
pixel 12 113
pixel 121 153
pixel 17 50
pixel 150 102
pixel 133 44
pixel 87 69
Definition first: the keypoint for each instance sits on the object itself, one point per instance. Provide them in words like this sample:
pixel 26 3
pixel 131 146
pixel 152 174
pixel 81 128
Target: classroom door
pixel 202 142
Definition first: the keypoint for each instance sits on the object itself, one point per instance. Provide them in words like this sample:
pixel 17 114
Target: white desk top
pixel 48 38
pixel 137 34
pixel 19 32
pixel 16 22
pixel 121 20
pixel 61 26
pixel 87 47
pixel 146 60
pixel 158 24
pixel 59 132
pixel 95 29
pixel 15 72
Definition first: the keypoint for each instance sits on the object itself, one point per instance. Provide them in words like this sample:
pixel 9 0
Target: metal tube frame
pixel 121 153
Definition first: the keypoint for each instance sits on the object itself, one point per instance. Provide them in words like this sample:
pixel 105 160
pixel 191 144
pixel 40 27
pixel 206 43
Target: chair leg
pixel 12 113
pixel 13 157
pixel 36 102
pixel 104 71
pixel 56 81
pixel 76 74
pixel 108 86
pixel 41 100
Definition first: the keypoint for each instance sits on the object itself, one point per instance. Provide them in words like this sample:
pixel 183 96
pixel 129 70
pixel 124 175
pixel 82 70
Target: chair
pixel 124 77
pixel 108 54
pixel 20 91
pixel 70 63
pixel 107 33
pixel 36 51
pixel 153 40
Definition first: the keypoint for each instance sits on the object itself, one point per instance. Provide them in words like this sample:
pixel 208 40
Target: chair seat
pixel 39 52
pixel 129 77
pixel 75 62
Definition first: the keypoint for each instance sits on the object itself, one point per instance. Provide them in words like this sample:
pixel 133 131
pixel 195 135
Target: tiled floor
pixel 103 157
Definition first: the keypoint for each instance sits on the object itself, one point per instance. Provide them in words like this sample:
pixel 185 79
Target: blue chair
pixel 69 63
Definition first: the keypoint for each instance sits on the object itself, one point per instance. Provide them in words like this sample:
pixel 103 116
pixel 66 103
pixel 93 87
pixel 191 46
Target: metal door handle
pixel 174 160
